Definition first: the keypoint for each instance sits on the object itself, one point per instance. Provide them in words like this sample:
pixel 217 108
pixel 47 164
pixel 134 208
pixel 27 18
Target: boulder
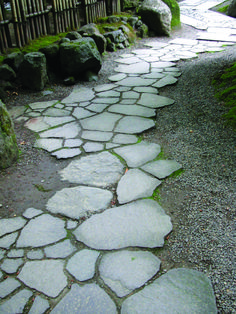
pixel 132 21
pixel 113 19
pixel 14 60
pixel 79 56
pixel 142 31
pixel 33 71
pixel 157 15
pixel 8 144
pixel 116 37
pixel 73 35
pixel 175 11
pixel 88 29
pixel 232 9
pixel 52 56
pixel 130 4
pixel 92 31
pixel 7 73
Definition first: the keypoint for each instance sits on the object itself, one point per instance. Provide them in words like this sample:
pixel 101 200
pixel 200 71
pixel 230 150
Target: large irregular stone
pixel 8 225
pixel 115 36
pixel 167 80
pixel 135 184
pixel 46 276
pixel 60 250
pixel 92 31
pixel 154 101
pixel 162 168
pixel 142 223
pixel 78 201
pixel 232 9
pixel 14 60
pixel 41 231
pixel 134 125
pixel 101 122
pixel 39 306
pixel 7 286
pixel 79 94
pixel 49 144
pixel 136 68
pixel 7 73
pixel 16 303
pixel 134 110
pixel 8 240
pixel 8 144
pixel 99 170
pixel 69 130
pixel 125 271
pixel 178 291
pixel 157 15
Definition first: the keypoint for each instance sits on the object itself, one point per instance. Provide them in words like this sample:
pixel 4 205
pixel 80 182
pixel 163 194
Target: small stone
pixel 39 306
pixel 154 101
pixel 8 240
pixel 16 303
pixel 32 212
pixel 167 80
pixel 9 225
pixel 134 125
pixel 7 286
pixel 97 136
pixel 15 253
pixel 125 139
pixel 11 266
pixel 162 168
pixel 71 224
pixel 65 153
pixel 73 142
pixel 60 250
pixel 35 254
pixel 93 147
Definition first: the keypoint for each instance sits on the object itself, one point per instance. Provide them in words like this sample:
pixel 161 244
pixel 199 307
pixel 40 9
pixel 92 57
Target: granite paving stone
pixel 32 212
pixel 55 112
pixel 46 276
pixel 141 223
pixel 108 100
pixel 122 88
pixel 134 125
pixel 65 153
pixel 97 107
pixel 91 147
pixel 73 142
pixel 2 253
pixel 125 139
pixel 39 306
pixel 60 250
pixel 117 77
pixel 128 60
pixel 98 136
pixel 110 93
pixel 49 144
pixel 11 266
pixel 102 122
pixel 125 271
pixel 35 254
pixel 15 253
pixel 130 94
pixel 42 104
pixel 127 101
pixel 82 264
pixel 162 64
pixel 9 225
pixel 8 240
pixel 137 68
pixel 79 94
pixel 16 303
pixel 162 168
pixel 151 90
pixel 76 202
pixel 69 130
pixel 104 87
pixel 7 286
pixel 134 110
pixel 167 80
pixel 81 113
pixel 154 101
pixel 135 81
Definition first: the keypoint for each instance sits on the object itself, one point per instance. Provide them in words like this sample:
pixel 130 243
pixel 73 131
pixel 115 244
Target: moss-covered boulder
pixel 91 30
pixel 14 60
pixel 8 144
pixel 7 73
pixel 175 11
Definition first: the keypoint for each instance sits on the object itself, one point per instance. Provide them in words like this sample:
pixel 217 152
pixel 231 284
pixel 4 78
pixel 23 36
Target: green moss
pixel 40 188
pixel 223 9
pixel 175 11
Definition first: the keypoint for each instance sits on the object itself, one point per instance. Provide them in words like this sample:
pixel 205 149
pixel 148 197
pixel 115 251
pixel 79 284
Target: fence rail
pixel 30 19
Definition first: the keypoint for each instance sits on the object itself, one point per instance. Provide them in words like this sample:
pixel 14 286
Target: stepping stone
pixel 81 113
pixel 41 231
pixel 184 41
pixel 99 170
pixel 108 100
pixel 7 286
pixel 137 68
pixel 130 94
pixel 134 125
pixel 97 136
pixel 167 80
pixel 13 253
pixel 162 64
pixel 67 153
pixel 42 104
pixel 86 299
pixel 35 254
pixel 82 264
pixel 78 201
pixel 104 87
pixel 55 112
pixel 154 75
pixel 128 60
pixel 135 81
pixel 154 101
pixel 139 224
pixel 39 306
pixel 134 185
pixel 44 123
pixel 69 130
pixel 125 139
pixel 101 122
pixel 32 212
pixel 126 271
pixel 73 143
pixel 91 147
pixel 127 101
pixel 11 266
pixel 178 291
pixel 138 154
pixel 97 107
pixel 110 93
pixel 117 77
pixel 10 225
pixel 134 110
pixel 45 276
pixel 151 90
pixel 16 303
pixel 79 94
pixel 162 168
pixel 60 250
pixel 123 88
pixel 8 240
pixel 48 144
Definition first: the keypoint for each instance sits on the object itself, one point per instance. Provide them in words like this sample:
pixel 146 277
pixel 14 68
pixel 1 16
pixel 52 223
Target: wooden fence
pixel 30 19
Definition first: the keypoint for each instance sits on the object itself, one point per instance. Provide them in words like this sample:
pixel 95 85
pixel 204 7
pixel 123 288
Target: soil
pixel 201 200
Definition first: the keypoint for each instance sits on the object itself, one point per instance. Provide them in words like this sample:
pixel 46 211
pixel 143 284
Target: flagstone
pixel 170 58
pixel 110 93
pixel 97 136
pixel 60 250
pixel 154 75
pixel 134 110
pixel 55 112
pixel 135 81
pixel 101 122
pixel 162 64
pixel 154 101
pixel 32 212
pixel 184 41
pixel 130 94
pixel 73 142
pixel 91 147
pixel 35 254
pixel 2 253
pixel 69 130
pixel 46 276
pixel 49 144
pixel 103 87
pixel 65 153
pixel 108 100
pixel 97 107
pixel 76 202
pixel 11 266
pixel 99 170
pixel 8 240
pixel 16 303
pixel 122 88
pixel 134 125
pixel 81 113
pixel 86 299
pixel 111 145
pixel 82 264
pixel 39 306
pixel 125 271
pixel 138 154
pixel 175 74
pixel 151 90
pixel 137 68
pixel 130 59
pixel 54 121
pixel 162 168
pixel 42 230
pixel 167 80
pixel 13 253
pixel 141 223
pixel 79 94
pixel 42 104
pixel 127 101
pixel 135 184
pixel 125 139
pixel 117 77
pixel 7 286
pixel 180 290
pixel 9 225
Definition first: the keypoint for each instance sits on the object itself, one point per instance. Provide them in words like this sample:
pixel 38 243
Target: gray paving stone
pixel 184 41
pixel 16 303
pixel 15 253
pixel 7 286
pixel 97 107
pixel 135 81
pixel 32 212
pixel 1 275
pixel 151 90
pixel 67 153
pixel 40 231
pixel 127 101
pixel 175 74
pixel 73 142
pixel 59 106
pixel 104 87
pixel 110 93
pixel 8 240
pixel 45 276
pixel 55 112
pixel 125 271
pixel 167 80
pixel 42 104
pixel 81 113
pixel 128 60
pixel 16 112
pixel 154 101
pixel 54 121
pixel 9 225
pixel 134 110
pixel 137 68
pixel 86 299
pixel 178 291
pixel 130 94
pixel 162 64
pixel 138 154
pixel 2 253
pixel 134 125
pixel 82 264
pixel 49 144
pixel 35 254
pixel 108 100
pixel 76 202
pixel 79 94
pixel 117 77
pixel 99 170
pixel 135 184
pixel 97 136
pixel 69 130
pixel 91 147
pixel 111 145
pixel 125 139
pixel 71 224
pixel 123 89
pixel 39 306
pixel 33 114
pixel 141 223
pixel 37 124
pixel 154 75
pixel 101 122
pixel 11 266
pixel 60 250
pixel 162 168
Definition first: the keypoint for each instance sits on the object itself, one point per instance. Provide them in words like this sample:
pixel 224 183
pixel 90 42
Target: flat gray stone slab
pixel 104 87
pixel 35 254
pixel 7 286
pixel 128 60
pixel 130 94
pixel 11 266
pixel 135 81
pixel 8 240
pixel 60 250
pixel 78 201
pixel 142 223
pixel 178 291
pixel 108 100
pixel 126 271
pixel 69 130
pixel 117 77
pixel 125 139
pixel 135 184
pixel 45 276
pixel 67 153
pixel 110 93
pixel 79 94
pixel 154 101
pixel 49 144
pixel 151 90
pixel 32 212
pixel 82 264
pixel 97 107
pixel 134 125
pixel 91 147
pixel 13 253
pixel 71 142
pixel 81 113
pixel 137 68
pixel 39 306
pixel 16 303
pixel 56 112
pixel 42 104
pixel 44 123
pixel 162 64
pixel 9 225
pixel 134 110
pixel 154 75
pixel 41 231
pixel 162 168
pixel 100 170
pixel 102 122
pixel 97 136
pixel 138 154
pixel 167 80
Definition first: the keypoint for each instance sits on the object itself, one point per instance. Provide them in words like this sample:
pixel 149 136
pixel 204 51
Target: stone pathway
pixel 83 254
